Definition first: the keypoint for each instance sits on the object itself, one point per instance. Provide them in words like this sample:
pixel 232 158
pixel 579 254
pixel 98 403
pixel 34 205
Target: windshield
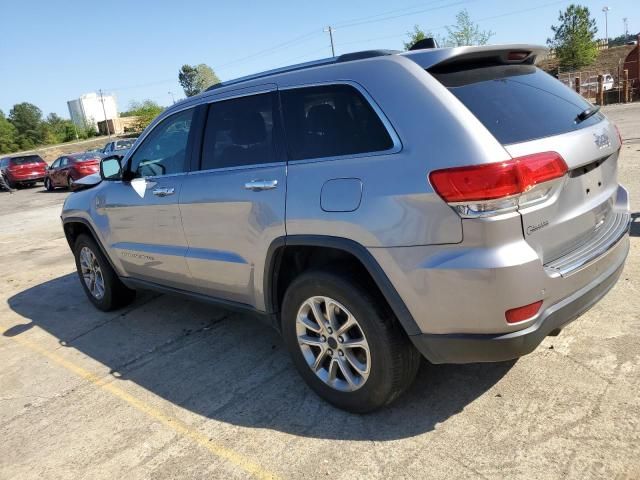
pixel 85 157
pixel 518 103
pixel 124 144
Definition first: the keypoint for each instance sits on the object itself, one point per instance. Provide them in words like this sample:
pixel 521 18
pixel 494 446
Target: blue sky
pixel 54 51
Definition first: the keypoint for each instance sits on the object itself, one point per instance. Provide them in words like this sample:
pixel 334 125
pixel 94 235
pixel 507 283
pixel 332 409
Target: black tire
pixel 12 185
pixel 116 294
pixel 394 359
pixel 48 185
pixel 69 183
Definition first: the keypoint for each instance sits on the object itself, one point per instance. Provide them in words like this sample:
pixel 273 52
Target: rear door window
pixel 517 103
pixel 330 121
pixel 239 132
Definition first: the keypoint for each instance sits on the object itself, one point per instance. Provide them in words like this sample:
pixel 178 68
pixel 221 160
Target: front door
pixel 234 206
pixel 144 226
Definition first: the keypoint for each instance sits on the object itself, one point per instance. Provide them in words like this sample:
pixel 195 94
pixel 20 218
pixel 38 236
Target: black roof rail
pixel 349 57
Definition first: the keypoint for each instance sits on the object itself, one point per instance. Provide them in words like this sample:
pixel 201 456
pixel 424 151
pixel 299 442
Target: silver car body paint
pixel 454 275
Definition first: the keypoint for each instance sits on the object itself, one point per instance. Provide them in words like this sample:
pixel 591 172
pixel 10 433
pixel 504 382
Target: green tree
pixel 574 39
pixel 8 134
pixel 145 112
pixel 196 79
pixel 27 118
pixel 465 32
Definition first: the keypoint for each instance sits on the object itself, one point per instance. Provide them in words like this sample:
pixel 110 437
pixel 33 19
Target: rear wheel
pixel 347 347
pixel 69 182
pixel 98 279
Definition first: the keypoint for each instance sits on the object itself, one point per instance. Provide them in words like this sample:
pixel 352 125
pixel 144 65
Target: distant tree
pixel 58 129
pixel 145 112
pixel 196 79
pixel 27 118
pixel 465 32
pixel 418 34
pixel 8 135
pixel 620 40
pixel 574 39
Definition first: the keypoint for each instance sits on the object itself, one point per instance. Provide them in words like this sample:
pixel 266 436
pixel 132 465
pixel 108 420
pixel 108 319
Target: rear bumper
pixel 26 177
pixel 471 348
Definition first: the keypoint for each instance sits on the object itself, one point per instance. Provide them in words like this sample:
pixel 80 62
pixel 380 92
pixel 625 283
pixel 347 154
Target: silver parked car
pixel 457 203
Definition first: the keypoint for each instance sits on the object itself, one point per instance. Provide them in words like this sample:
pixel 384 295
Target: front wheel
pixel 48 185
pixel 99 281
pixel 349 349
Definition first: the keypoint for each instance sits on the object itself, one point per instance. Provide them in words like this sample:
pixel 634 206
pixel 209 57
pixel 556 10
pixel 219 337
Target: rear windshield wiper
pixel 588 113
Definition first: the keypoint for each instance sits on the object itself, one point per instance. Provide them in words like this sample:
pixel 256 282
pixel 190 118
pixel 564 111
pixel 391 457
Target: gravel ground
pixel 169 388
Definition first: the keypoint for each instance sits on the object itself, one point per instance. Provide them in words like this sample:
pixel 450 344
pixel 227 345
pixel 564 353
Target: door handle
pixel 163 191
pixel 258 185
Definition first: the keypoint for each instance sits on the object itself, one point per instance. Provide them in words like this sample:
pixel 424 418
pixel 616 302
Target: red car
pixel 69 168
pixel 23 169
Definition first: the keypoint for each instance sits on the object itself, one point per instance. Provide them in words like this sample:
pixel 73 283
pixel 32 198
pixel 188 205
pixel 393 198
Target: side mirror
pixel 110 168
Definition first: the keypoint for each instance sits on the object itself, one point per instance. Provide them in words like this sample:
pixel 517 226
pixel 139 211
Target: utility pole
pixel 625 21
pixel 606 23
pixel 330 30
pixel 173 99
pixel 106 121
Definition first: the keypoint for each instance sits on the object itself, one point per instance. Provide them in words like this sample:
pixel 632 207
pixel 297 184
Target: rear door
pixel 530 112
pixel 234 206
pixel 144 225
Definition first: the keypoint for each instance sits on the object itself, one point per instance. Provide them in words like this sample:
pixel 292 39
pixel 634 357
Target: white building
pixel 88 109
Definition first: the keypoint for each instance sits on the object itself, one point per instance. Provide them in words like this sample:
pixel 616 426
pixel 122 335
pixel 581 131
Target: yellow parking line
pixel 174 423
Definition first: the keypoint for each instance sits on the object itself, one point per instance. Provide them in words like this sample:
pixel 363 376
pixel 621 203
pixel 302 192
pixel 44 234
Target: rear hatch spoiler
pixel 444 58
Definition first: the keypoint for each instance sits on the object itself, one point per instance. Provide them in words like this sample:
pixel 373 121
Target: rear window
pixel 26 160
pixel 517 103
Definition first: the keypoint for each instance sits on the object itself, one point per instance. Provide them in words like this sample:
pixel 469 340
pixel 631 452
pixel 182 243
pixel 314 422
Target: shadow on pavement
pixel 232 368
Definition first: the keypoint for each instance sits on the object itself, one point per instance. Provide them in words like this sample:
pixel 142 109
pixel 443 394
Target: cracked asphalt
pixel 170 388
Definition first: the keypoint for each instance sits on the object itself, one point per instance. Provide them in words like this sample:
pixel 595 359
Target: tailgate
pixel 529 112
pixel 585 203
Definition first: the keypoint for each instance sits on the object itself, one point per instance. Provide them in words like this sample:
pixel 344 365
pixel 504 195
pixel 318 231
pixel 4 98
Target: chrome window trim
pixel 395 139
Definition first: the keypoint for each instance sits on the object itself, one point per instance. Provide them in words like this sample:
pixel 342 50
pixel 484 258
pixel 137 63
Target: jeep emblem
pixel 602 141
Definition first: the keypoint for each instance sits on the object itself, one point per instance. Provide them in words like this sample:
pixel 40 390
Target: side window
pixel 163 152
pixel 330 121
pixel 64 161
pixel 239 132
pixel 56 164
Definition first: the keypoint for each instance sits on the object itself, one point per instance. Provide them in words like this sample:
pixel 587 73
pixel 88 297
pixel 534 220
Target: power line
pixel 392 17
pixel 484 19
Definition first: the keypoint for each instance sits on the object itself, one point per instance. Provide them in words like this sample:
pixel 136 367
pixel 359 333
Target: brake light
pixel 516 56
pixel 520 314
pixel 487 189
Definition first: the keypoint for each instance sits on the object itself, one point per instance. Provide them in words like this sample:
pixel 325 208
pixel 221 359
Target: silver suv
pixel 455 203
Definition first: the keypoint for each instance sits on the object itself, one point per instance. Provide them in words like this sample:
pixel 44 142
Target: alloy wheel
pixel 333 344
pixel 91 273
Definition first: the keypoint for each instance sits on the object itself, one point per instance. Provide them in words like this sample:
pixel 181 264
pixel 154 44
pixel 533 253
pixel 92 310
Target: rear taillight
pixel 521 314
pixel 489 189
